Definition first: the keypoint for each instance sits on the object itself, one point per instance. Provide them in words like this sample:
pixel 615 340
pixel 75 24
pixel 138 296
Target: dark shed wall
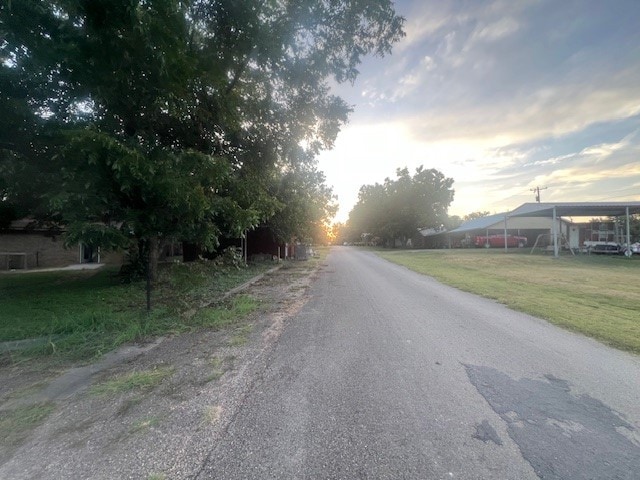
pixel 261 241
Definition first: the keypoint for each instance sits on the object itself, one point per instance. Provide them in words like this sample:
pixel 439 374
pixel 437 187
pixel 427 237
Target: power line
pixel 537 192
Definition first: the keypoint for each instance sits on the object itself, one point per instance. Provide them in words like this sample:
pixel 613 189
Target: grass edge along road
pixel 83 314
pixel 80 315
pixel 598 296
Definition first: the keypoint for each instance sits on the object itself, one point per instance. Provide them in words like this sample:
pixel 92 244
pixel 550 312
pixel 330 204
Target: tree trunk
pixel 154 253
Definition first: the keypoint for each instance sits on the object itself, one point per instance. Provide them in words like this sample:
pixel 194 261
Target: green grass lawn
pixel 81 314
pixel 598 296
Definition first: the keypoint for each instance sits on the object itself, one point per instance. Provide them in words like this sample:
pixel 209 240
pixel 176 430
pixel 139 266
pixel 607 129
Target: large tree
pixel 475 215
pixel 160 119
pixel 397 208
pixel 308 206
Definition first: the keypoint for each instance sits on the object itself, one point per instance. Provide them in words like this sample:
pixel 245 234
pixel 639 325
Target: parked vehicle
pixel 628 251
pixel 499 241
pixel 611 248
pixel 605 248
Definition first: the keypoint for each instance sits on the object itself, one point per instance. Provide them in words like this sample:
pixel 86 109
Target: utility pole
pixel 537 192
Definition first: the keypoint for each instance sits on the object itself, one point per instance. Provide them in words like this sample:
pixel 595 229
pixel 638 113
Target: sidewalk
pixel 77 266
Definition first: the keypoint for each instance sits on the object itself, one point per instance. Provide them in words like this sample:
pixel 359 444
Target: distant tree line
pixel 163 120
pixel 397 208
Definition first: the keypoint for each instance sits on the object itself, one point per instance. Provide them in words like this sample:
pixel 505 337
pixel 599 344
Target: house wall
pixel 44 251
pixel 112 258
pixel 532 227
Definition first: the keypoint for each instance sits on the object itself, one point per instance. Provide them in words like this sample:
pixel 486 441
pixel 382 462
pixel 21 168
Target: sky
pixel 502 96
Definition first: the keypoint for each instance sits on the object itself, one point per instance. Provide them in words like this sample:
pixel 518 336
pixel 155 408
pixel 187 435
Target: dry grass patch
pixel 133 381
pixel 17 424
pixel 212 414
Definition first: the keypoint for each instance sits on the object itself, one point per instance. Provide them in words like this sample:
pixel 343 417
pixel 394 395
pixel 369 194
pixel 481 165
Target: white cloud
pixel 549 112
pixel 588 175
pixel 494 31
pixel 498 95
pixel 424 21
pixel 428 63
pixel 604 150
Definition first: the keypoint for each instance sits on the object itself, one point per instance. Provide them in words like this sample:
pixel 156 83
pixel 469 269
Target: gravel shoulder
pixel 147 411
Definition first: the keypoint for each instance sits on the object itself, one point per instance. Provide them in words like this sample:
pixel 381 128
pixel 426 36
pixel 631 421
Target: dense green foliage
pixel 397 208
pixel 175 119
pixel 634 227
pixel 308 203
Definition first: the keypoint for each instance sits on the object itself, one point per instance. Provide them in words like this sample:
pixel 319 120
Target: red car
pixel 498 241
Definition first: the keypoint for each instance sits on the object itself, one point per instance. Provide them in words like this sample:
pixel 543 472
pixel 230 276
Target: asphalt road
pixel 388 374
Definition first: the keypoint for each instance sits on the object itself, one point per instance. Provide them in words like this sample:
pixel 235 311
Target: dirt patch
pixel 158 426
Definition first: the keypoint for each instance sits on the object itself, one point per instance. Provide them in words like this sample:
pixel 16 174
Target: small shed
pixel 432 238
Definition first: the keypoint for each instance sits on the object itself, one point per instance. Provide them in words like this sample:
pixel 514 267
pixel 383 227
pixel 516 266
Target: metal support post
pixel 506 249
pixel 628 234
pixel 555 233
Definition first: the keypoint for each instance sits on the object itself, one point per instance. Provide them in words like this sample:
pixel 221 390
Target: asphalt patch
pixel 562 435
pixel 487 433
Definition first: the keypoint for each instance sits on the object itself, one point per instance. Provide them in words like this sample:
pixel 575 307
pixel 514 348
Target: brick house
pixel 26 245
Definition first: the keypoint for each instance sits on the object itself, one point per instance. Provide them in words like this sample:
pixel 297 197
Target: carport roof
pixel 576 209
pixel 480 223
pixel 563 209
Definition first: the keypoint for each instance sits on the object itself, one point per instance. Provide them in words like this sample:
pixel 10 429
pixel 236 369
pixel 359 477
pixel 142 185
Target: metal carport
pixel 577 209
pixel 479 224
